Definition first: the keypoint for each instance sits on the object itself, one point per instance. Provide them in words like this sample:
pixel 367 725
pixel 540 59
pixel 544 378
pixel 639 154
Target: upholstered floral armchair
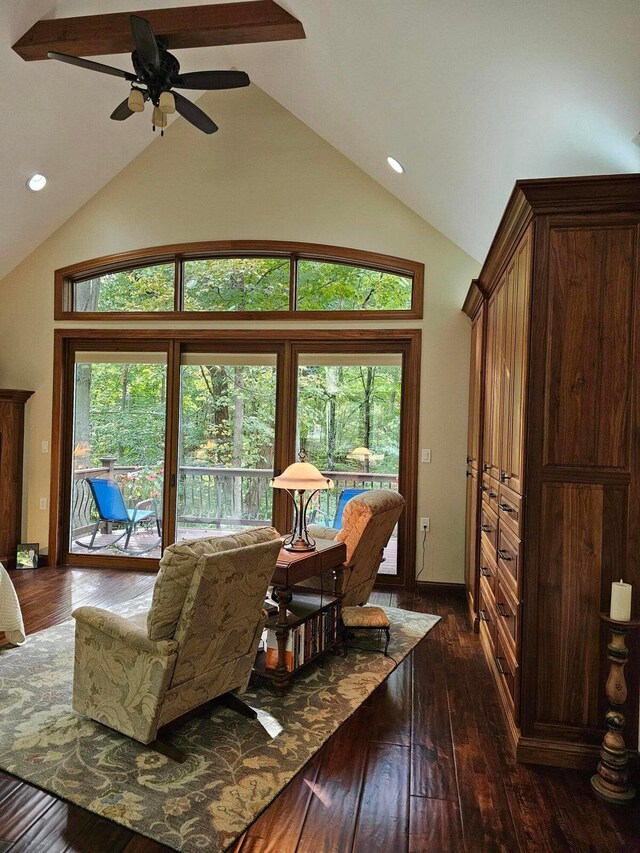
pixel 198 640
pixel 368 521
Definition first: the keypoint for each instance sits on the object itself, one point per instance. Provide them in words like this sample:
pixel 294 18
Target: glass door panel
pixel 226 442
pixel 348 421
pixel 119 421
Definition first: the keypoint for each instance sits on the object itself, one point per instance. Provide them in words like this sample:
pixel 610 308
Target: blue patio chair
pixel 113 510
pixel 345 496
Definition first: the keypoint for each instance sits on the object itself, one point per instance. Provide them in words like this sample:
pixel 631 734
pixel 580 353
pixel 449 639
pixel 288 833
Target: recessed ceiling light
pixel 395 164
pixel 37 183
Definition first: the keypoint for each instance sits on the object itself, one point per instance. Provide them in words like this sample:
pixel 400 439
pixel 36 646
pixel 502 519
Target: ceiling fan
pixel 157 73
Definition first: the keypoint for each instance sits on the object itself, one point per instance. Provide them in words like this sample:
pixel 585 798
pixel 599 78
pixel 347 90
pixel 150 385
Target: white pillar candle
pixel 620 601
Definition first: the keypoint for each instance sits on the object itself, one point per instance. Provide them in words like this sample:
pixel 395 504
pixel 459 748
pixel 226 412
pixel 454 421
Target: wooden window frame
pixel 288 344
pixel 66 277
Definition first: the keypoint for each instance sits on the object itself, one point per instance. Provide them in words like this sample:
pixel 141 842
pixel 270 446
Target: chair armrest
pixel 319 531
pixel 150 502
pixel 121 628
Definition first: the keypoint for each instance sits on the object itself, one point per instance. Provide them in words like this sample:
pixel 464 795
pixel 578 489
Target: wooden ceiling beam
pixel 186 26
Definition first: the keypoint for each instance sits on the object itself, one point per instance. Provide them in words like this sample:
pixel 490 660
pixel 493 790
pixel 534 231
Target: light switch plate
pixel 426 455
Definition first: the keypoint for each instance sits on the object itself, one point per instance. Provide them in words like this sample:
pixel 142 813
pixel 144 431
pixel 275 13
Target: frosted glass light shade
pixel 167 103
pixel 136 101
pixel 301 475
pixel 159 118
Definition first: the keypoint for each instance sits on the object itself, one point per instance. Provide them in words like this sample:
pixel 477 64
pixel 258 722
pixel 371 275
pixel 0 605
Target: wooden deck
pixel 143 541
pixel 422 767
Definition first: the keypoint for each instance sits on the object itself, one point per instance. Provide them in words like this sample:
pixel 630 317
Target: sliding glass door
pixel 118 453
pixel 348 422
pixel 175 436
pixel 226 442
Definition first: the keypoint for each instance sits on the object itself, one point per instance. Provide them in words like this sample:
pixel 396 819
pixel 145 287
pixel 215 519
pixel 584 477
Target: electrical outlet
pixel 43 503
pixel 426 455
pixel 425 524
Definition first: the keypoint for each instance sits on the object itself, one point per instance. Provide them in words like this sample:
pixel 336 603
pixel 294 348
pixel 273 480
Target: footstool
pixel 369 617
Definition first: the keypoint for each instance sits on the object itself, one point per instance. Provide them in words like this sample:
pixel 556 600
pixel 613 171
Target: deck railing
pixel 213 496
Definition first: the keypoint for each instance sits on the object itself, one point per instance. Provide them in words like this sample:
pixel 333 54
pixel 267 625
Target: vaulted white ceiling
pixel 469 95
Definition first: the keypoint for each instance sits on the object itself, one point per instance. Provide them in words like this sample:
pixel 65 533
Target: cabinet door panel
pixel 489 389
pixel 519 297
pixel 589 359
pixel 471 557
pixel 475 393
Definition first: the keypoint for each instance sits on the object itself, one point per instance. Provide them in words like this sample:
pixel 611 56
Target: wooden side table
pixel 291 568
pixel 611 782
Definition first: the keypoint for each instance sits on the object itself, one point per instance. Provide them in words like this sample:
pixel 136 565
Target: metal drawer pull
pixel 485 528
pixel 485 572
pixel 493 495
pixel 506 508
pixel 483 616
pixel 485 468
pixel 504 477
pixel 501 669
pixel 469 460
pixel 502 611
pixel 484 488
pixel 468 473
pixel 504 555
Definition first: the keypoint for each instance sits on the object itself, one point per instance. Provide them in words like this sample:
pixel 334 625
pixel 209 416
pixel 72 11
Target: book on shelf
pixel 308 638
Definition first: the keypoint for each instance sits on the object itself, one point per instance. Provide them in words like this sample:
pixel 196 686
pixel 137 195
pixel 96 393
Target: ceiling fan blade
pixel 92 66
pixel 211 80
pixel 122 111
pixel 194 114
pixel 145 42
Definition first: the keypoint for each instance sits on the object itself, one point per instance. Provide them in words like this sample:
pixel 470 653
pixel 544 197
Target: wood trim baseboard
pixel 575 756
pixel 442 586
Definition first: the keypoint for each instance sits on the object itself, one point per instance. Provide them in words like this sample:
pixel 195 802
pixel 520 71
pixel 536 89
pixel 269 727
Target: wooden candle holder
pixel 611 782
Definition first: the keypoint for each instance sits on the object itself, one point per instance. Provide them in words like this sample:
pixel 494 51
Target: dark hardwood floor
pixel 422 766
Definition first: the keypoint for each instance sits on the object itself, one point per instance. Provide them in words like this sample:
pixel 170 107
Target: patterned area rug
pixel 235 766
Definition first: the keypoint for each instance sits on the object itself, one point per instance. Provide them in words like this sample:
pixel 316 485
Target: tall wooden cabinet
pixel 556 513
pixel 12 405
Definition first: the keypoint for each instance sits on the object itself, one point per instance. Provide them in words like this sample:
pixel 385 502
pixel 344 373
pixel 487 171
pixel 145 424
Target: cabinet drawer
pixel 507 667
pixel 487 613
pixel 510 509
pixel 485 488
pixel 507 610
pixel 508 555
pixel 488 569
pixel 494 494
pixel 489 528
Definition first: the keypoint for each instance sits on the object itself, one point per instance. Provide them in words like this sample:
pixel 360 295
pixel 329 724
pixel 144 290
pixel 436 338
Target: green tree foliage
pixel 333 412
pixel 142 289
pixel 246 284
pixel 236 284
pixel 339 287
pixel 212 401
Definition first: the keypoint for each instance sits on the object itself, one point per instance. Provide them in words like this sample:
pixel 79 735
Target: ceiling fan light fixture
pixel 136 101
pixel 159 118
pixel 36 183
pixel 396 165
pixel 167 103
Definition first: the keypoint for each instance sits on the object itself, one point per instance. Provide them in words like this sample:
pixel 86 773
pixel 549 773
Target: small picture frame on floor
pixel 27 555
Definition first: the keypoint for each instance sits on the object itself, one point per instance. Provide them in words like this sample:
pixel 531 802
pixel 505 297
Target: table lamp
pixel 296 479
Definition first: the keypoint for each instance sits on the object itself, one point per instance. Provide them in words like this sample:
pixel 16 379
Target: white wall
pixel 264 175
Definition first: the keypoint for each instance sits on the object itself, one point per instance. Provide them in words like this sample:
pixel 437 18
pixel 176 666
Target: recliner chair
pixel 368 521
pixel 198 640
